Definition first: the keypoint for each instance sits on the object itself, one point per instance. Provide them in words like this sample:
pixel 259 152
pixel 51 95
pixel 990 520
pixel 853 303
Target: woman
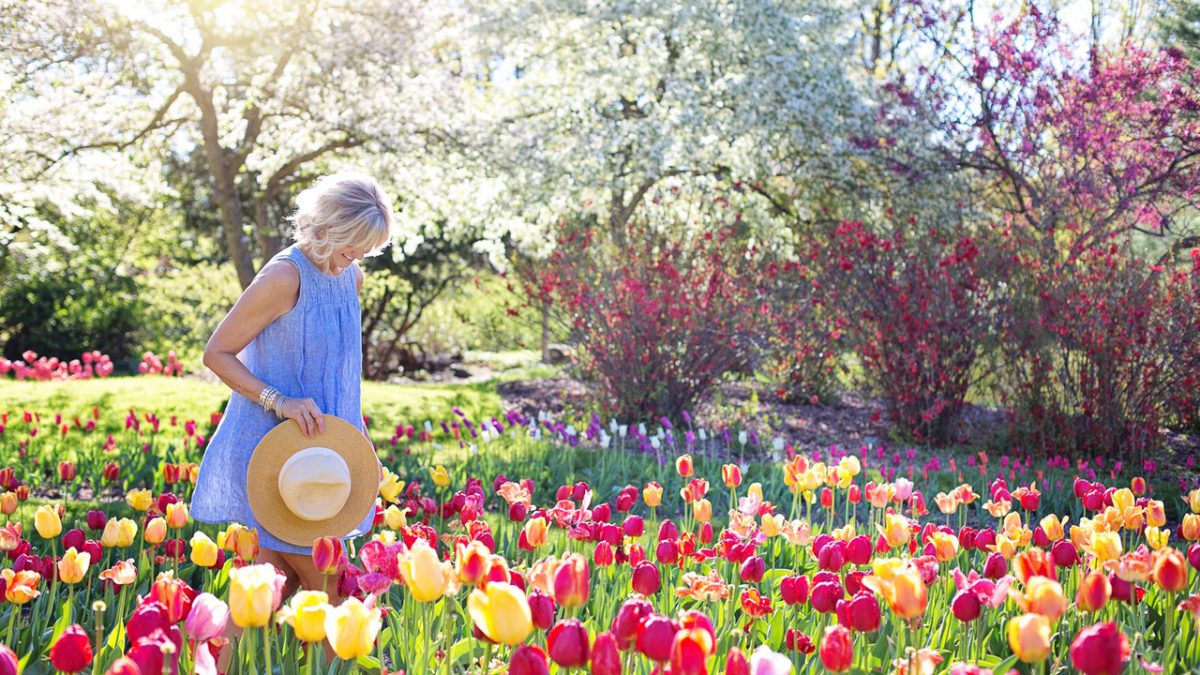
pixel 298 331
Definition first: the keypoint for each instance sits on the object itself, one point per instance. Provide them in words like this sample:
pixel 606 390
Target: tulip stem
pixel 8 639
pixel 312 660
pixel 267 646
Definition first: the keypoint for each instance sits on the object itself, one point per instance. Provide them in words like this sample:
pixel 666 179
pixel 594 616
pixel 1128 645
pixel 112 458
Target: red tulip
pixel 627 624
pixel 8 661
pixel 995 566
pixel 1138 486
pixel 860 613
pixel 685 466
pixel 73 539
pixel 66 471
pixel 655 637
pixel 794 590
pixel 833 556
pixel 966 606
pixel 796 641
pixel 1125 591
pixel 96 520
pixel 1170 571
pixel 1094 592
pixel 690 650
pixel 112 471
pixel 854 494
pixel 603 555
pixel 667 530
pixel 541 610
pixel 567 643
pixel 606 658
pixel 667 552
pixel 646 578
pixel 175 595
pixel 825 596
pixel 1101 649
pixel 1193 555
pixel 736 663
pixel 633 526
pixel 528 660
pixel 837 648
pixel 1064 553
pixel 72 652
pixel 148 651
pixel 327 554
pixel 858 550
pixel 752 570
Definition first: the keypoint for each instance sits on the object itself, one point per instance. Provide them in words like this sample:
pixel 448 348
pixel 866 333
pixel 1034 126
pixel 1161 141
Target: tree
pixel 269 93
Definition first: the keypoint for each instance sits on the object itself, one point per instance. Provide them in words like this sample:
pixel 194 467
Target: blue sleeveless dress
pixel 313 351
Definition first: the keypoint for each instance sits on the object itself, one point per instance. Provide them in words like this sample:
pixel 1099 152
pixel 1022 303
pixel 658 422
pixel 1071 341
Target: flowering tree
pixel 269 92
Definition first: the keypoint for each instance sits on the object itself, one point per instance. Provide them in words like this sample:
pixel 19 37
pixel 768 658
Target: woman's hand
pixel 307 415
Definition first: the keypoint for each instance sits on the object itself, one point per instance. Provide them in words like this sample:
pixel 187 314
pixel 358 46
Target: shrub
pixel 919 312
pixel 659 321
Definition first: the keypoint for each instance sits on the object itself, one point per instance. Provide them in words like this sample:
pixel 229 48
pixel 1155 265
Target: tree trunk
pixel 545 332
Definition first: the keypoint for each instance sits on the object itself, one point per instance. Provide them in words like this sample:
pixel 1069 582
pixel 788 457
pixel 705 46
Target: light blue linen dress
pixel 314 351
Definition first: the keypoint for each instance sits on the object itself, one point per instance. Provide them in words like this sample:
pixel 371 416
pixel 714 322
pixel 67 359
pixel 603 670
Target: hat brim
pixel 285 440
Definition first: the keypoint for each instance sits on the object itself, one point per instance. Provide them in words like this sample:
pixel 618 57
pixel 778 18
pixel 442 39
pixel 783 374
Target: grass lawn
pixel 190 397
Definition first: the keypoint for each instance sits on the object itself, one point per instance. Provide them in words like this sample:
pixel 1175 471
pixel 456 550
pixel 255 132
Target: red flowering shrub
pixel 660 320
pixel 918 311
pixel 805 336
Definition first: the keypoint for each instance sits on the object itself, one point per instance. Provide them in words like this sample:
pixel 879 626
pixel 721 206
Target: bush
pixel 805 336
pixel 919 312
pixel 1107 354
pixel 184 306
pixel 70 311
pixel 660 321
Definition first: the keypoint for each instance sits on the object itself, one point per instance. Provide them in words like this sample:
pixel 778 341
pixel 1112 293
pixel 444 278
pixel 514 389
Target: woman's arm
pixel 272 294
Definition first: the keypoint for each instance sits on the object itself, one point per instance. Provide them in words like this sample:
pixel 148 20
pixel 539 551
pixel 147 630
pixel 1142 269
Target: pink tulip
pixel 208 617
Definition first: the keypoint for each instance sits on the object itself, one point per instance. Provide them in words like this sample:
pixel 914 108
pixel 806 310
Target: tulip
pixel 140 500
pixel 995 566
pixel 1193 555
pixel 96 520
pixel 149 653
pixel 655 637
pixel 327 555
pixel 945 546
pixel 793 590
pixel 652 494
pixel 1170 570
pixel 8 503
pixel 966 606
pixel 73 566
pixel 737 664
pixel 204 550
pixel 501 612
pixel 731 475
pixel 567 644
pixel 1029 637
pixel 440 476
pixel 837 648
pixel 1045 596
pixel 20 587
pixel 1190 528
pixel 9 664
pixel 690 650
pixel 66 471
pixel 207 618
pixel 177 515
pixel 895 530
pixel 752 570
pixel 245 543
pixel 541 610
pixel 174 594
pixel 425 575
pixel 646 578
pixel 766 662
pixel 396 518
pixel 307 613
pixel 684 466
pixel 254 594
pixel 703 510
pixel 571 581
pixel 46 522
pixel 528 660
pixel 901 585
pixel 606 658
pixel 628 622
pixel 472 563
pixel 1101 649
pixel 533 536
pixel 72 651
pixel 861 612
pixel 351 628
pixel 155 532
pixel 73 538
pixel 121 574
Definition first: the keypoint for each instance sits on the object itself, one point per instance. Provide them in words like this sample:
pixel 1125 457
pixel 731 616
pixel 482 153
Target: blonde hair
pixel 346 209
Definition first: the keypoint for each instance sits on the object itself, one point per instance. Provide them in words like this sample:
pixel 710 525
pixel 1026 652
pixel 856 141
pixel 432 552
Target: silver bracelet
pixel 278 406
pixel 267 398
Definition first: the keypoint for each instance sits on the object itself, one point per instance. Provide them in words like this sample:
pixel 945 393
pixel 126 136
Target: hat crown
pixel 314 483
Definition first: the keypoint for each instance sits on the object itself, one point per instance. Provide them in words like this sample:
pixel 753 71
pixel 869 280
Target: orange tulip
pixel 534 533
pixel 20 587
pixel 1094 592
pixel 899 582
pixel 685 466
pixel 945 546
pixel 1029 637
pixel 703 510
pixel 472 562
pixel 1170 570
pixel 652 494
pixel 731 475
pixel 1191 527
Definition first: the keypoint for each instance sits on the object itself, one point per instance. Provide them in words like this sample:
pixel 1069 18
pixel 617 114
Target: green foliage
pixel 184 305
pixel 1180 27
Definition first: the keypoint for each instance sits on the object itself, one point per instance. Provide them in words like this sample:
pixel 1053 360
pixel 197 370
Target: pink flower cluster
pixel 33 367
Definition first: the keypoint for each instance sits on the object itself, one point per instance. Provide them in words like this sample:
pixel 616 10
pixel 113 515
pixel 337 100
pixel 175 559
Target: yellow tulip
pixel 177 515
pixel 895 530
pixel 73 566
pixel 140 500
pixel 1156 537
pixel 391 486
pixel 118 533
pixel 306 614
pixel 652 494
pixel 46 522
pixel 1156 514
pixel 945 546
pixel 848 468
pixel 1193 500
pixel 156 531
pixel 1123 499
pixel 1029 637
pixel 1105 546
pixel 703 510
pixel 395 517
pixel 351 628
pixel 900 583
pixel 772 524
pixel 254 593
pixel 424 574
pixel 1053 527
pixel 8 503
pixel 20 587
pixel 502 613
pixel 1190 528
pixel 204 550
pixel 441 477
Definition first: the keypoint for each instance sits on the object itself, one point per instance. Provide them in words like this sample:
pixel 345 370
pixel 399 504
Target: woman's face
pixel 342 258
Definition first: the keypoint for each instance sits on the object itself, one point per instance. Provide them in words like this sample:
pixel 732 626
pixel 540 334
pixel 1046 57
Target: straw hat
pixel 302 488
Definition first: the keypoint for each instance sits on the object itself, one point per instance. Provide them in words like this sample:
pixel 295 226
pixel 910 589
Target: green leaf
pixel 64 621
pixel 463 647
